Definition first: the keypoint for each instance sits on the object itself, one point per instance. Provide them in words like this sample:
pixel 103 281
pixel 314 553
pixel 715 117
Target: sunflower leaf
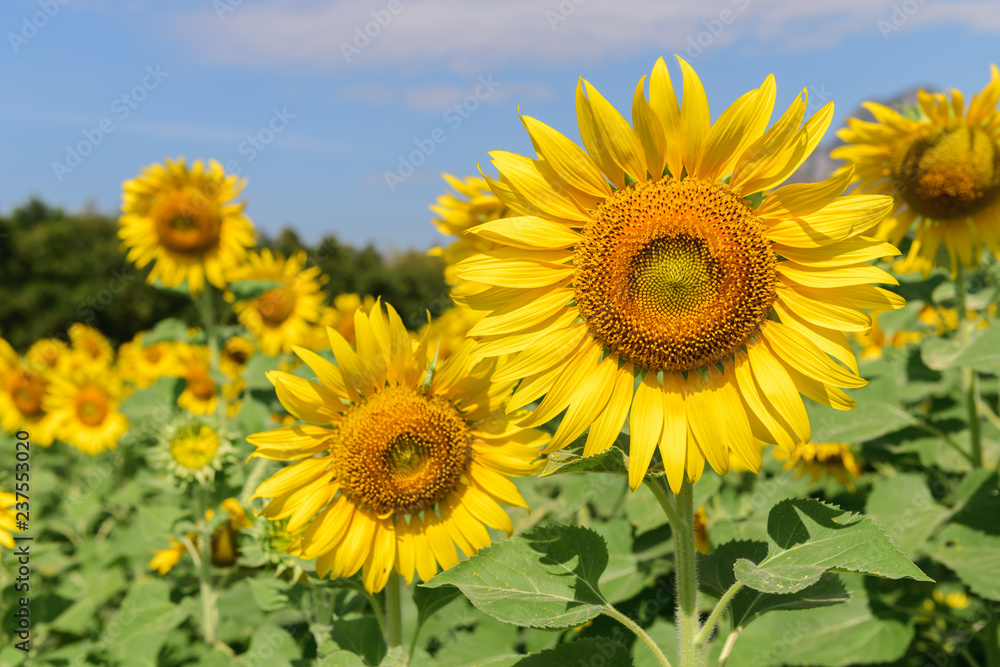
pixel 169 329
pixel 612 460
pixel 581 652
pixel 807 538
pixel 251 289
pixel 973 555
pixel 547 578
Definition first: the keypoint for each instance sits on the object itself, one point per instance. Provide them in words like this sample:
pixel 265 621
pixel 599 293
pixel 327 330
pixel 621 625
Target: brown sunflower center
pixel 950 174
pixel 186 222
pixel 276 305
pixel 200 384
pixel 674 276
pixel 91 406
pixel 194 447
pixel 27 390
pixel 401 451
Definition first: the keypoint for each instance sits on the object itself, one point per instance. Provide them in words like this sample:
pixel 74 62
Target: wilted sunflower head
pixel 184 220
pixel 660 274
pixel 396 464
pixel 941 161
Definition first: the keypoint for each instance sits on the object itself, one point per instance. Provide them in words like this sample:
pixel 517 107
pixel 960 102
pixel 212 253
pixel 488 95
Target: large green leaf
pixel 547 578
pixel 983 354
pixel 611 460
pixel 144 618
pixel 904 508
pixel 973 555
pixel 875 415
pixel 341 659
pixel 835 636
pixel 807 538
pixel 748 604
pixel 581 652
pixel 362 636
pixel 979 498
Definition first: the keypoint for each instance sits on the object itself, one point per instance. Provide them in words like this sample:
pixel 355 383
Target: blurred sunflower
pixel 450 330
pixel 47 354
pixel 201 393
pixel 655 255
pixel 407 467
pixel 236 352
pixel 823 459
pixel 144 364
pixel 471 204
pixel 943 166
pixel 23 393
pixel 224 546
pixel 88 346
pixel 8 517
pixel 339 317
pixel 281 317
pixel 185 221
pixel 84 405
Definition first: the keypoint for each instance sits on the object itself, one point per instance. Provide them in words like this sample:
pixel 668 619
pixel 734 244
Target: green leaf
pixel 611 460
pixel 622 579
pixel 269 593
pixel 748 604
pixel 256 372
pixel 974 556
pixel 169 329
pixel 547 578
pixel 581 652
pixel 362 636
pixel 148 409
pixel 251 289
pixel 874 416
pixel 979 498
pixel 983 354
pixel 806 538
pixel 272 645
pixel 144 618
pixel 341 659
pixel 430 600
pixel 904 508
pixel 835 636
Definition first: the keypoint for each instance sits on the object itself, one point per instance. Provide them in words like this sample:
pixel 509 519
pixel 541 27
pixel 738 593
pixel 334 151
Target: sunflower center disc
pixel 950 174
pixel 200 385
pixel 27 390
pixel 401 451
pixel 274 306
pixel 186 222
pixel 194 447
pixel 674 276
pixel 91 406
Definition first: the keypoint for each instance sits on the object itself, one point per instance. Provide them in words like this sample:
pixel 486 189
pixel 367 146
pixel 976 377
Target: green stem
pixel 376 608
pixel 256 476
pixel 639 632
pixel 208 607
pixel 713 618
pixel 206 308
pixel 970 387
pixel 687 580
pixel 727 648
pixel 393 612
pixel 664 496
pixel 991 642
pixel 933 430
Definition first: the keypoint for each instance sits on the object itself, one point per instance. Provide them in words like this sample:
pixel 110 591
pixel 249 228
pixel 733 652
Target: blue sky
pixel 315 113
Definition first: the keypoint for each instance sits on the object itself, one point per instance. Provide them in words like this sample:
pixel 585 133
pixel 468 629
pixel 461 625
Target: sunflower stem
pixel 713 618
pixel 970 388
pixel 639 632
pixel 393 612
pixel 208 608
pixel 687 579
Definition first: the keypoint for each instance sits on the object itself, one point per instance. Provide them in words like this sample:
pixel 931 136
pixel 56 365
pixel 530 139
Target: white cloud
pixel 471 37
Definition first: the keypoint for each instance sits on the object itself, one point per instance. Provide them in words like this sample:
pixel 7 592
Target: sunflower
pixel 7 519
pixel 340 317
pixel 943 166
pixel 236 352
pixel 88 346
pixel 192 451
pixel 184 220
pixel 47 354
pixel 145 364
pixel 281 317
pixel 823 459
pixel 471 204
pixel 932 320
pixel 201 392
pixel 403 466
pixel 650 277
pixel 85 409
pixel 23 393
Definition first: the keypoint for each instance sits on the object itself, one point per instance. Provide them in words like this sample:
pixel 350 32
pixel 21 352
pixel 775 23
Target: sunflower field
pixel 684 409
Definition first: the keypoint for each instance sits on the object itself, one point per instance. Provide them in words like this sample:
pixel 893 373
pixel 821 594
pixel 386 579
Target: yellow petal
pixel 291 442
pixel 650 132
pixel 842 276
pixel 695 117
pixel 738 126
pixel 593 141
pixel 779 389
pixel 568 159
pixel 646 424
pixel 800 353
pixel 608 424
pixel 524 176
pixel 306 400
pixel 529 232
pixel 617 136
pixel 378 565
pixel 845 217
pixel 292 477
pixel 799 199
pixel 663 100
pixel 673 441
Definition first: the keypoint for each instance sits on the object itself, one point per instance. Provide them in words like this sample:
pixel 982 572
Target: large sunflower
pixel 404 467
pixel 23 393
pixel 185 221
pixel 85 409
pixel 654 256
pixel 281 317
pixel 943 167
